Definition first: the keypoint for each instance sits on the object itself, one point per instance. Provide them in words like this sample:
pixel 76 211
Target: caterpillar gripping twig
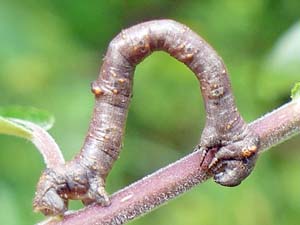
pixel 225 131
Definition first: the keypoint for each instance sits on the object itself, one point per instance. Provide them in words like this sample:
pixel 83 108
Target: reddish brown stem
pixel 167 183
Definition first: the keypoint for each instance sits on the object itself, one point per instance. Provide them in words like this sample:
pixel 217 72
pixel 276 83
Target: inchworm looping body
pixel 225 131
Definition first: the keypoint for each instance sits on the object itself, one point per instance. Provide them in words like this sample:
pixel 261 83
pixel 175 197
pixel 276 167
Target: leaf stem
pixel 44 142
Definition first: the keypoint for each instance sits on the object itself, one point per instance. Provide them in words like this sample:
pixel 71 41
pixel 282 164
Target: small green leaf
pixel 12 128
pixel 286 52
pixel 37 116
pixel 295 93
pixel 31 123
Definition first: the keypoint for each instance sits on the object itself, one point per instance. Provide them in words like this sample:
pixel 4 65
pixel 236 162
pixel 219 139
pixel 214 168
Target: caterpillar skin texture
pixel 225 131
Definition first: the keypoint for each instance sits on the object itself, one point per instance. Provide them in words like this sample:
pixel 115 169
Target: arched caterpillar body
pixel 84 177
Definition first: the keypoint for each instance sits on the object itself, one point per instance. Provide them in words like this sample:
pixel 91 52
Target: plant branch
pixel 177 178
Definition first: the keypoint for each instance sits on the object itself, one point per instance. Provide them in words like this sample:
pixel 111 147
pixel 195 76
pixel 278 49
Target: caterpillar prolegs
pixel 225 131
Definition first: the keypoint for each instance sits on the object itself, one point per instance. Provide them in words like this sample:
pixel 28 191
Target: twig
pixel 169 182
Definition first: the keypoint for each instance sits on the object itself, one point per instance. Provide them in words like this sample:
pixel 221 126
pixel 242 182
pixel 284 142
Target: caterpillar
pixel 84 177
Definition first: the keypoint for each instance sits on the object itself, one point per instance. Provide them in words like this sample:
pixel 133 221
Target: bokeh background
pixel 51 50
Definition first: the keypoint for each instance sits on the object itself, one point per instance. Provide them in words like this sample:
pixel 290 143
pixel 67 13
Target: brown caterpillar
pixel 84 177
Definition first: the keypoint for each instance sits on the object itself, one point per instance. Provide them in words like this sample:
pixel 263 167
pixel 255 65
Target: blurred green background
pixel 51 50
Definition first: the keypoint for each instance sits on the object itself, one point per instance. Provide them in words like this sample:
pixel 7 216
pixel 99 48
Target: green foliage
pixel 281 66
pixel 286 53
pixel 52 50
pixel 10 126
pixel 295 93
pixel 40 117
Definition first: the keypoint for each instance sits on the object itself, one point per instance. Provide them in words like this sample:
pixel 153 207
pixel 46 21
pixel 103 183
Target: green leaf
pixel 286 52
pixel 10 127
pixel 40 117
pixel 31 123
pixel 295 93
